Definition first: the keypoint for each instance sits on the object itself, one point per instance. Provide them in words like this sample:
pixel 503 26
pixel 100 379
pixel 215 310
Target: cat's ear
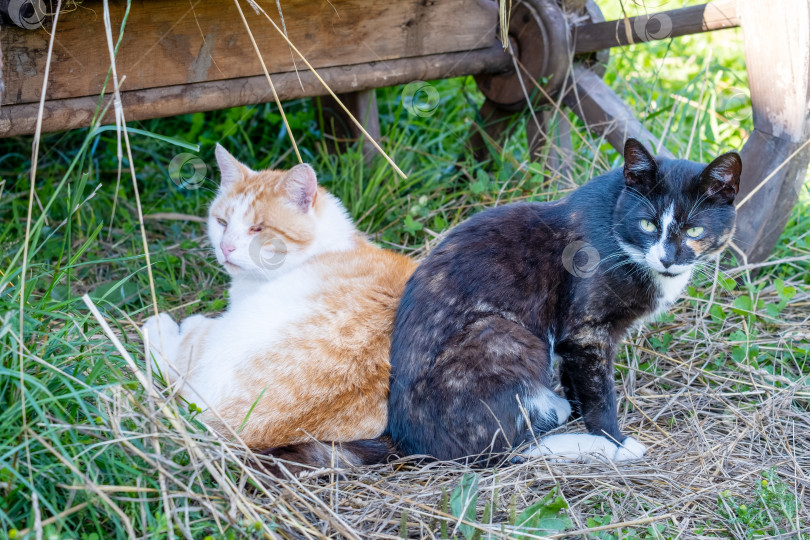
pixel 229 167
pixel 720 180
pixel 640 168
pixel 301 186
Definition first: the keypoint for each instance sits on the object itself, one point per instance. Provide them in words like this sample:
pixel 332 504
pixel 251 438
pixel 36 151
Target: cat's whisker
pixel 641 197
pixel 710 273
pixel 721 271
pixel 693 215
pixel 706 270
pixel 620 264
pixel 702 271
pixel 712 265
pixel 613 255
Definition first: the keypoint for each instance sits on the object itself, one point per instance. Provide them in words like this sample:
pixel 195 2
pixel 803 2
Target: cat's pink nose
pixel 227 249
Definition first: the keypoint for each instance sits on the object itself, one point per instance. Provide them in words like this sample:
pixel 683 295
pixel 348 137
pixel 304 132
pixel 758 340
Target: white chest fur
pixel 668 289
pixel 252 325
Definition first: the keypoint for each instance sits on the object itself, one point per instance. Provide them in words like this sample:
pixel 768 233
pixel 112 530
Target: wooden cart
pixel 197 55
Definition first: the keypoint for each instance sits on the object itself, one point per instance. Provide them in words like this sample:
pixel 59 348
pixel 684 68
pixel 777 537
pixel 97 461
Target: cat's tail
pixel 313 455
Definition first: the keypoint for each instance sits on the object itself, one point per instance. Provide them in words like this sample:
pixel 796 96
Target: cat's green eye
pixel 648 225
pixel 222 222
pixel 694 232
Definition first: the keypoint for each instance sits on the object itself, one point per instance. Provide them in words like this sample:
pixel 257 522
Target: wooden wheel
pixel 777 41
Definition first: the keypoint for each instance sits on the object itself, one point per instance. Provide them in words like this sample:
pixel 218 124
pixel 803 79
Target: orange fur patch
pixel 330 380
pixel 270 207
pixel 325 376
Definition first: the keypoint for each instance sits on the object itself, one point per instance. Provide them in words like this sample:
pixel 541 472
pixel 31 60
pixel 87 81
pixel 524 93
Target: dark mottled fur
pixel 478 319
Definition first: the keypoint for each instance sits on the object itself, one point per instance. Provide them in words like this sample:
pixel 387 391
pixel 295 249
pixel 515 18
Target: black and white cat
pixel 515 289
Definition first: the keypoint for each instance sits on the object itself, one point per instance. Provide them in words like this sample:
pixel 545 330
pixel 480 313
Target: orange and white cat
pixel 302 350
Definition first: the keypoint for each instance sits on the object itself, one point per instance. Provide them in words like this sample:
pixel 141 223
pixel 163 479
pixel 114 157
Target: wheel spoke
pixel 592 37
pixel 603 112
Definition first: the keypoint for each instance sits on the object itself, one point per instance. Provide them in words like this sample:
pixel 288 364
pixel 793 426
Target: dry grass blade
pixel 613 526
pixel 326 86
pixel 88 484
pixel 270 82
pixel 504 13
pixel 173 417
pixel 772 174
pixel 27 239
pixel 54 519
pixel 120 123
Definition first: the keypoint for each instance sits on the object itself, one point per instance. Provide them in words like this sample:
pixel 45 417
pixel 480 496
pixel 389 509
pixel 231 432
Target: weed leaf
pixel 543 516
pixel 462 503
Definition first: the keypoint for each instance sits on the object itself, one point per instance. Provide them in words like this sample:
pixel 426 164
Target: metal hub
pixel 540 44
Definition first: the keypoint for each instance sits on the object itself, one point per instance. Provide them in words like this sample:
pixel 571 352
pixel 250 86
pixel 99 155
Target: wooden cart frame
pixel 197 55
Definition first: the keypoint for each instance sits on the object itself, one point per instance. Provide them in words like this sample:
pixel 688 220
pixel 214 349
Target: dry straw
pixel 710 429
pixel 283 34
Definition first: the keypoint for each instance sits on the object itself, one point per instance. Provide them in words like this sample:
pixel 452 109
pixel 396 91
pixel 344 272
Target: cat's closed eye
pixel 256 229
pixel 222 222
pixel 647 225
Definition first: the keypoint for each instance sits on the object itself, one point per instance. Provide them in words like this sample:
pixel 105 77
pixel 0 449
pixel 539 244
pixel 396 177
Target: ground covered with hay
pixel 92 445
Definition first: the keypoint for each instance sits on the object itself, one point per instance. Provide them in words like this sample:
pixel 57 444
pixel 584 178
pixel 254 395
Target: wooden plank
pixel 603 112
pixel 777 54
pixel 592 37
pixel 174 42
pixel 206 96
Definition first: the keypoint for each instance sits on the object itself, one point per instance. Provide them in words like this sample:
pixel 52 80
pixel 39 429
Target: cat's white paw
pixel 190 324
pixel 630 450
pixel 164 338
pixel 570 447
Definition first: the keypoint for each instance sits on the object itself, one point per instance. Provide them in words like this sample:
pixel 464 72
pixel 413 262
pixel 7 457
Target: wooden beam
pixel 338 125
pixel 776 156
pixel 592 37
pixel 603 112
pixel 206 96
pixel 174 42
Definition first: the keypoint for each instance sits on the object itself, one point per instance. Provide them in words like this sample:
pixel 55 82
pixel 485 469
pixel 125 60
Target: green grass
pixel 76 425
pixel 769 507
